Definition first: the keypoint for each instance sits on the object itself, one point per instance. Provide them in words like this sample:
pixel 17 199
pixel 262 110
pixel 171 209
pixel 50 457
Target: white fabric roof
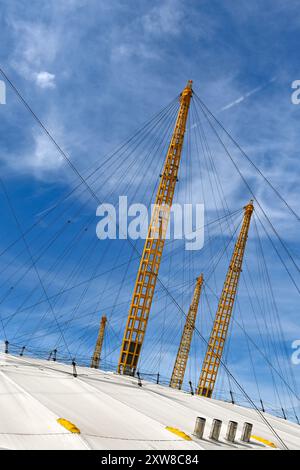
pixel 112 411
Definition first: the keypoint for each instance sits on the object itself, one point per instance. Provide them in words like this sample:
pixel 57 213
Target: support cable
pixel 31 257
pixel 158 279
pixel 250 161
pixel 261 208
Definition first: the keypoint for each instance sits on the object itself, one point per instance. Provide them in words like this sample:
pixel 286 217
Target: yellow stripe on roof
pixel 179 433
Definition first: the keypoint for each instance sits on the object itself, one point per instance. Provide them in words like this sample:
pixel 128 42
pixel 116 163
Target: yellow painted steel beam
pixel 99 343
pixel 219 331
pixel 153 248
pixel 186 338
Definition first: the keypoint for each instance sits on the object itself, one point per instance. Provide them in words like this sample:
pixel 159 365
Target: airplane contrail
pixel 239 100
pixel 246 95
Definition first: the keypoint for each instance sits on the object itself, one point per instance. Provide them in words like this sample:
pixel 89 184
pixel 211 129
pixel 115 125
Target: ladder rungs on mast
pixel 218 335
pixel 152 253
pixel 99 343
pixel 186 339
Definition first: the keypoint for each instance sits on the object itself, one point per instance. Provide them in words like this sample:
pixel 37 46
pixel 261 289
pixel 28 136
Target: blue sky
pixel 94 72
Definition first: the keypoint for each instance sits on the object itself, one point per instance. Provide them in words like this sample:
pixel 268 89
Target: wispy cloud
pixel 40 159
pixel 36 48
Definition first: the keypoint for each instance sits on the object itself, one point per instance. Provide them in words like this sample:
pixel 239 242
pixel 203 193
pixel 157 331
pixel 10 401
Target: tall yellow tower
pixel 149 265
pixel 99 343
pixel 218 335
pixel 186 339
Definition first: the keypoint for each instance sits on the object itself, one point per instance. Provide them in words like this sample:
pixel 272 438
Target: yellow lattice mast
pixel 218 335
pixel 186 339
pixel 149 265
pixel 98 348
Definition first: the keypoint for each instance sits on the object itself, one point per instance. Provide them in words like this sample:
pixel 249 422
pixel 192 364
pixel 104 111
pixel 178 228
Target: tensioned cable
pixel 240 387
pixel 214 131
pixel 258 203
pixel 222 199
pixel 31 257
pixel 202 185
pixel 110 156
pixel 209 161
pixel 258 349
pixel 278 254
pixel 277 317
pixel 153 124
pixel 41 353
pixel 111 269
pixel 97 199
pixel 142 178
pixel 155 315
pixel 204 226
pixel 52 268
pixel 249 160
pixel 171 108
pixel 280 351
pixel 248 186
pixel 157 144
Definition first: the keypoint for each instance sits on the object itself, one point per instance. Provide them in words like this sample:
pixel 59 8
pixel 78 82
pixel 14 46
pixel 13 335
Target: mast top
pixel 249 207
pixel 188 89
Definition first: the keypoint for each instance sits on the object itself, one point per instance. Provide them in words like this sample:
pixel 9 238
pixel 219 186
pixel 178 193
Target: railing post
pixel 283 413
pixel 74 368
pixel 139 379
pixel 191 388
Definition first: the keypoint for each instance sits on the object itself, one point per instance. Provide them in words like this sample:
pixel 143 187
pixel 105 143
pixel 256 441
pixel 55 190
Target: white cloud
pixel 45 80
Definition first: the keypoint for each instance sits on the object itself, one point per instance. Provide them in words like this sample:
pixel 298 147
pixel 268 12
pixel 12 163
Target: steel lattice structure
pixel 218 335
pixel 99 343
pixel 186 338
pixel 152 253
